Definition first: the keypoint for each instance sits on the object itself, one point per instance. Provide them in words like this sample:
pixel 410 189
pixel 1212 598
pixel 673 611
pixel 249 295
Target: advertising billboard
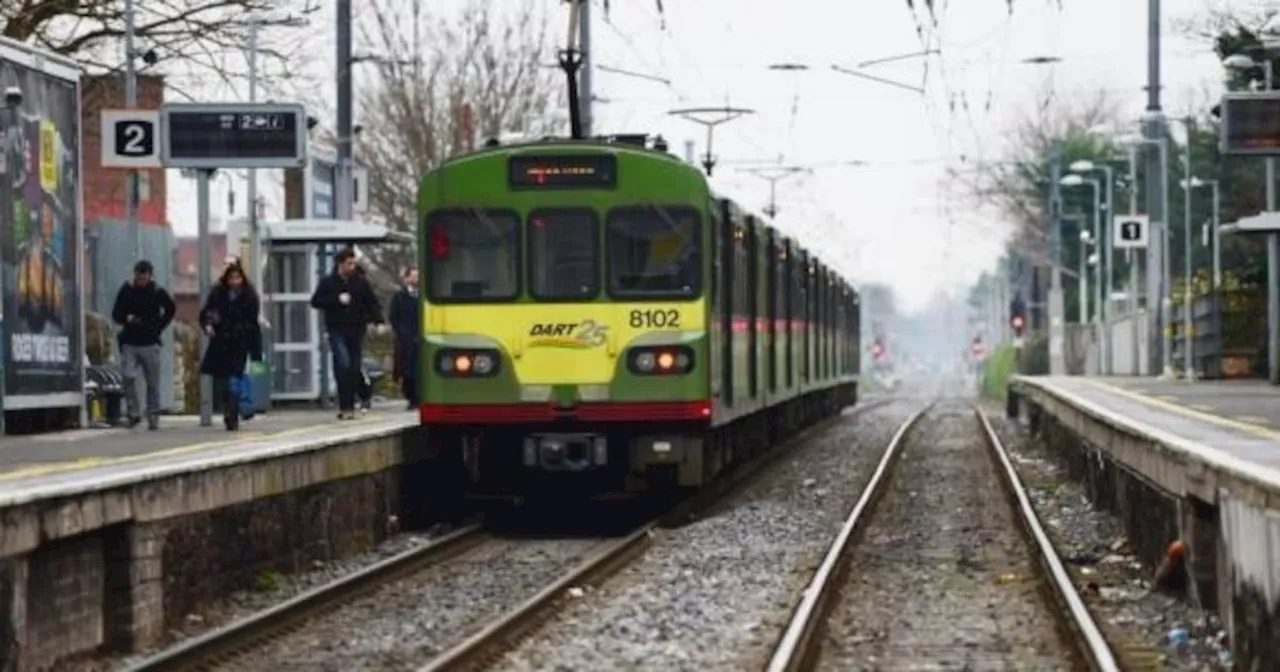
pixel 41 231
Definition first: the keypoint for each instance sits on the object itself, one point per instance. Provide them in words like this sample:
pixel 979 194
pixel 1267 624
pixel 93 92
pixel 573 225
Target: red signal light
pixel 1017 321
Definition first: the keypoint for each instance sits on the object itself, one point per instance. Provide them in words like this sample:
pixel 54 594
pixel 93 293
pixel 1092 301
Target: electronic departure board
pixel 1251 124
pixel 564 171
pixel 234 135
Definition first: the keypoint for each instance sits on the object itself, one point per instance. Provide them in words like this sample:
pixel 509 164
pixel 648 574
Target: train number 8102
pixel 655 319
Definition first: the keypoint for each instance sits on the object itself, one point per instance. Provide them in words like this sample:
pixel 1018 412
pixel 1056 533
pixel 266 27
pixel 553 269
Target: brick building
pixel 185 285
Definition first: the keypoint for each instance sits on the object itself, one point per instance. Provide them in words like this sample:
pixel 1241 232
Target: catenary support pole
pixel 1188 330
pixel 205 280
pixel 1157 182
pixel 255 237
pixel 131 102
pixel 1108 274
pixel 1273 259
pixel 585 70
pixel 342 183
pixel 1134 275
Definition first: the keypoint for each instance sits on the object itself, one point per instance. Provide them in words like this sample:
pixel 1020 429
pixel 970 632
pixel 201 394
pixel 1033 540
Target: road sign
pixel 1131 231
pixel 1250 124
pixel 130 139
pixel 233 135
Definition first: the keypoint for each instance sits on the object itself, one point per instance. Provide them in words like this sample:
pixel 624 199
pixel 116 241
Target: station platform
pixel 1197 462
pixel 1222 426
pixel 39 456
pixel 128 530
pixel 1244 404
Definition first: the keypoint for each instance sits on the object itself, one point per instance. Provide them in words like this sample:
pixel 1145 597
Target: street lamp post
pixel 1106 271
pixel 1086 242
pixel 1214 234
pixel 1074 180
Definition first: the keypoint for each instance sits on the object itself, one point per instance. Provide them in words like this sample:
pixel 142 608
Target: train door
pixel 773 282
pixel 727 253
pixel 752 282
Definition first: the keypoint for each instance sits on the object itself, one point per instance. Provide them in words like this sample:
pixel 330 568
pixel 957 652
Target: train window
pixel 564 254
pixel 654 251
pixel 473 256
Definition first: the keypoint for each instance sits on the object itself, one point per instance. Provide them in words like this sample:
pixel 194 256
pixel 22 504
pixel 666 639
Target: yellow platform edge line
pixel 90 461
pixel 1256 430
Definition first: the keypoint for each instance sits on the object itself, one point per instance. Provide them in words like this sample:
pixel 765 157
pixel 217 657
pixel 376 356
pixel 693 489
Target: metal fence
pixel 111 258
pixel 1228 332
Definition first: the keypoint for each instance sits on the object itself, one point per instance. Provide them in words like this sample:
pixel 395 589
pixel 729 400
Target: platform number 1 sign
pixel 1131 231
pixel 130 139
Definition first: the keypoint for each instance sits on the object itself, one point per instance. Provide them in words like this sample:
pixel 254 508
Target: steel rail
pixel 1074 614
pixel 224 644
pixel 796 649
pixel 479 648
pixel 216 647
pixel 483 647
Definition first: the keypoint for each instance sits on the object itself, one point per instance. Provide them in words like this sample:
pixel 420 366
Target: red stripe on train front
pixel 639 411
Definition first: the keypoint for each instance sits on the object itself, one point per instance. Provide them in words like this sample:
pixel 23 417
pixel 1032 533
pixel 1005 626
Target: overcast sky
pixel 891 220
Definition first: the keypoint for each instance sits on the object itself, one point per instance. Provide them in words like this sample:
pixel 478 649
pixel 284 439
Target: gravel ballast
pixel 1148 629
pixel 403 624
pixel 276 588
pixel 943 576
pixel 715 595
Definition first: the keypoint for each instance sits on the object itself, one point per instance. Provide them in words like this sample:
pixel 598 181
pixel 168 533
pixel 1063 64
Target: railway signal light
pixel 1017 325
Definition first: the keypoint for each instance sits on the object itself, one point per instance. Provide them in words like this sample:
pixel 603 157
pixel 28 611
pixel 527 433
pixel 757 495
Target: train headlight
pixel 661 360
pixel 467 363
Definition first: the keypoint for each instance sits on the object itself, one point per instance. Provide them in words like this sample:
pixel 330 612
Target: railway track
pixel 941 575
pixel 229 647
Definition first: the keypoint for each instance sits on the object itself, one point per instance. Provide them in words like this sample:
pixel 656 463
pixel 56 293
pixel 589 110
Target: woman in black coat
pixel 230 318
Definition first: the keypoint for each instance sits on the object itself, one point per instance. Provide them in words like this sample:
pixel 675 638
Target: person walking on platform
pixel 143 309
pixel 243 384
pixel 403 314
pixel 230 318
pixel 349 306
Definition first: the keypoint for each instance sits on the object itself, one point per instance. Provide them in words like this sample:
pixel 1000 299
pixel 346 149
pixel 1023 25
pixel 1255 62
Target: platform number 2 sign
pixel 135 139
pixel 131 139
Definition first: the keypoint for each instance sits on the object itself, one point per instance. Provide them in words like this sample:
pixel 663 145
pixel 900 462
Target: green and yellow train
pixel 597 321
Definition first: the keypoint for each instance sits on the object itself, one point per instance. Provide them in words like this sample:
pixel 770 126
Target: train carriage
pixel 597 321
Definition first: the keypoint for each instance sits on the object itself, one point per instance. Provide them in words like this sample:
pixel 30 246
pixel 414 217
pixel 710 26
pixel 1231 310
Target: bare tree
pixel 192 38
pixel 1016 185
pixel 480 78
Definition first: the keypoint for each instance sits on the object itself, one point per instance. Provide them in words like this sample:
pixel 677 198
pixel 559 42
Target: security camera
pixel 150 57
pixel 12 96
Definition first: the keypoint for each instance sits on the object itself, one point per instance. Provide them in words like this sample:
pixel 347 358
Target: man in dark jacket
pixel 143 310
pixel 349 306
pixel 403 316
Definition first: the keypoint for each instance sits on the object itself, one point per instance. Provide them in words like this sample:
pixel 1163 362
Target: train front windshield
pixel 654 252
pixel 473 256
